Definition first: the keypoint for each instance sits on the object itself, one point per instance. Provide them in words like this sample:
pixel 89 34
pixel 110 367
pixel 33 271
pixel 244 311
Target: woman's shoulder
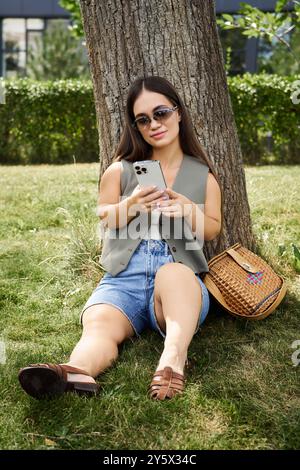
pixel 114 167
pixel 121 163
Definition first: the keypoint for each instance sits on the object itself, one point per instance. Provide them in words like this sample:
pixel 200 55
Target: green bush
pixel 264 109
pixel 48 122
pixel 55 122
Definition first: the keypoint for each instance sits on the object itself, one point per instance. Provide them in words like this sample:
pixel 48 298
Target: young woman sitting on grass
pixel 153 276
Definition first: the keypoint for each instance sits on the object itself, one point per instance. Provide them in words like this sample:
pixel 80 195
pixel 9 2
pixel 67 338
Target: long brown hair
pixel 132 147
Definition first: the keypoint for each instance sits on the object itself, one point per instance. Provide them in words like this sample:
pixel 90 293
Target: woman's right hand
pixel 145 199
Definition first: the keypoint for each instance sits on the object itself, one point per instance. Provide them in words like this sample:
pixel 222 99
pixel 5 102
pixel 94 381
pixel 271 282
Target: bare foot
pixel 73 377
pixel 172 358
pixel 80 378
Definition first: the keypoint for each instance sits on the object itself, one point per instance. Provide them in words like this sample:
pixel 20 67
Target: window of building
pixel 276 57
pixel 18 34
pixel 236 41
pixel 53 21
pixel 13 45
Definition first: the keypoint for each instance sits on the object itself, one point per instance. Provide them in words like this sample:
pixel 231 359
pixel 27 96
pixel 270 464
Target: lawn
pixel 242 388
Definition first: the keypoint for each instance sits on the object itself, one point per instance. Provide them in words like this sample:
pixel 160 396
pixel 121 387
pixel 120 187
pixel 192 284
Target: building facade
pixel 21 21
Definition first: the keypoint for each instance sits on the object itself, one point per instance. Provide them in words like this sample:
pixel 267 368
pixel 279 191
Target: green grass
pixel 242 390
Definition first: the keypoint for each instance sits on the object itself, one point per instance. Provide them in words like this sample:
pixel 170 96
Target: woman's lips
pixel 158 136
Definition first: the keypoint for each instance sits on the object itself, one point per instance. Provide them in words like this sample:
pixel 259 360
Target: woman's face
pixel 144 105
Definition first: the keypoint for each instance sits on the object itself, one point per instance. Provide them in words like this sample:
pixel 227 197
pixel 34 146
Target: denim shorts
pixel 132 290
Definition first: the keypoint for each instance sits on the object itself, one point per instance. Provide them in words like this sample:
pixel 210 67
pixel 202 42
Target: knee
pixel 174 271
pixel 105 322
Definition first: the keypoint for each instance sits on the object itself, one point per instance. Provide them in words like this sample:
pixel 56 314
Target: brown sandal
pixel 166 384
pixel 48 380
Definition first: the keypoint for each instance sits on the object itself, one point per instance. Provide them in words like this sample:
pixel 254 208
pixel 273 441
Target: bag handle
pixel 275 304
pixel 242 261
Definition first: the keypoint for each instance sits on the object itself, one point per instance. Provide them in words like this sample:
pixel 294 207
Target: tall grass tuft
pixel 84 246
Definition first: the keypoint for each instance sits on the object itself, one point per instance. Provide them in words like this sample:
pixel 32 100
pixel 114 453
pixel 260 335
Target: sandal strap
pixel 73 370
pixel 61 369
pixel 166 383
pixel 168 373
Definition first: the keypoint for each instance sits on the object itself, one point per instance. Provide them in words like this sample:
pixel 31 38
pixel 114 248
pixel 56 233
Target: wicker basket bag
pixel 244 284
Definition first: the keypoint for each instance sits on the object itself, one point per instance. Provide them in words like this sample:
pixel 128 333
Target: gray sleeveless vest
pixel 119 244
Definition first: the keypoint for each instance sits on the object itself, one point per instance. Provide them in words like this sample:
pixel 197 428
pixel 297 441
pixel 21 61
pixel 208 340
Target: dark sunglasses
pixel 160 115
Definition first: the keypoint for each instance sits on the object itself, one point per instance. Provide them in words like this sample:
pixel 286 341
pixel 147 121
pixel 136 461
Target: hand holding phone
pixel 149 173
pixel 146 198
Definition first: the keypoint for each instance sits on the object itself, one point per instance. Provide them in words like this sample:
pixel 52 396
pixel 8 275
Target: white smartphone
pixel 149 173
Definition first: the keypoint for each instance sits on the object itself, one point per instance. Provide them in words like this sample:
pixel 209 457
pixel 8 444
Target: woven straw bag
pixel 244 284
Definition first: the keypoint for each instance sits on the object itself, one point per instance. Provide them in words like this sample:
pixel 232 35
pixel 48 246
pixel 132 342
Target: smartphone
pixel 149 173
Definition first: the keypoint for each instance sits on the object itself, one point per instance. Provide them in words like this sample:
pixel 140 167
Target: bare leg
pixel 104 328
pixel 177 301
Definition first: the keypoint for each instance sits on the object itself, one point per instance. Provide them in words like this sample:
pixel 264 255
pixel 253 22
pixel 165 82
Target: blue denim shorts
pixel 132 290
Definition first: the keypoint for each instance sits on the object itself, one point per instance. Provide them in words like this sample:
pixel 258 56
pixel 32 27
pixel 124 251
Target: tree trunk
pixel 176 39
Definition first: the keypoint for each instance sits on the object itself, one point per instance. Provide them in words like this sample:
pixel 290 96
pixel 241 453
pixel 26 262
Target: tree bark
pixel 176 39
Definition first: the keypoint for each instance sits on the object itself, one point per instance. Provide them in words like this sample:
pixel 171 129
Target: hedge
pixel 48 122
pixel 267 119
pixel 55 122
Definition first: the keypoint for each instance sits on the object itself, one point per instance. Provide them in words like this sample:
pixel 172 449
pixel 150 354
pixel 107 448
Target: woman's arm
pixel 116 215
pixel 113 213
pixel 210 219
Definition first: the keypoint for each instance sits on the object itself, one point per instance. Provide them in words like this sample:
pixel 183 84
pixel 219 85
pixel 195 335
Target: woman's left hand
pixel 176 206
